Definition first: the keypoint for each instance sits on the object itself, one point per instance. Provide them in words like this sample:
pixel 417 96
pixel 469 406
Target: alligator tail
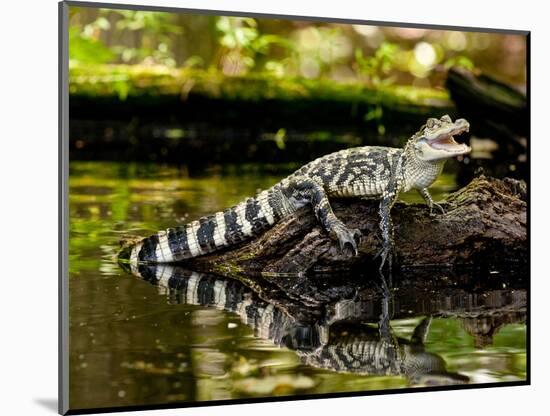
pixel 209 234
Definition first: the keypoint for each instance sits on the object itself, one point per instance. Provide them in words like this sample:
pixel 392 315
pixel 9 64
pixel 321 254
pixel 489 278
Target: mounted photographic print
pixel 265 208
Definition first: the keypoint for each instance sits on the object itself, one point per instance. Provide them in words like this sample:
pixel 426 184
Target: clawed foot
pixel 439 207
pixel 346 237
pixel 385 254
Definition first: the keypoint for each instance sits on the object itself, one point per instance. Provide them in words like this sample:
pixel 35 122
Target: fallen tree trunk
pixel 146 113
pixel 484 223
pixel 495 109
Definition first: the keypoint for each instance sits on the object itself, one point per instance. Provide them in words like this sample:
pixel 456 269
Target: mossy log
pixel 124 92
pixel 484 224
pixel 155 113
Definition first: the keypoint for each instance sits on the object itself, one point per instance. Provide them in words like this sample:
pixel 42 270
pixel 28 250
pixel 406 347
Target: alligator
pixel 371 172
pixel 343 344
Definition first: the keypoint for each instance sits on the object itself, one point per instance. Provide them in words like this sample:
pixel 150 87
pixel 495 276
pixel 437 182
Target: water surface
pixel 136 343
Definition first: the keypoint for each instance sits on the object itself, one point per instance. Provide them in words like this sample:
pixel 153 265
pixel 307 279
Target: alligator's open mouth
pixel 445 140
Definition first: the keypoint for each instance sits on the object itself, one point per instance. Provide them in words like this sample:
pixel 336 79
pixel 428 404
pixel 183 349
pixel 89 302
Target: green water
pixel 130 346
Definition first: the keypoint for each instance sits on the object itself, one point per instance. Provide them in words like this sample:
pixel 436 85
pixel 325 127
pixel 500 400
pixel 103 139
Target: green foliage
pixel 239 46
pixel 377 68
pixel 194 62
pixel 155 33
pixel 280 137
pixel 375 113
pixel 460 61
pixel 376 56
pixel 157 23
pixel 237 32
pixel 242 43
pixel 85 49
pixel 156 30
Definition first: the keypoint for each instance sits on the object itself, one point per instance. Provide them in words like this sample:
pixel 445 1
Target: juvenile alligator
pixel 336 345
pixel 368 171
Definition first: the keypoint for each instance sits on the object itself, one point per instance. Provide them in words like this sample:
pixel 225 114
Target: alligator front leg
pixel 429 201
pixel 303 190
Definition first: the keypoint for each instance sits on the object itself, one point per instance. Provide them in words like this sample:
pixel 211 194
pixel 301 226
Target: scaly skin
pixel 368 171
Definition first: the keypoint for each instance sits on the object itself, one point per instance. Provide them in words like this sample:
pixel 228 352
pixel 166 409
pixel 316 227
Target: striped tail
pixel 211 233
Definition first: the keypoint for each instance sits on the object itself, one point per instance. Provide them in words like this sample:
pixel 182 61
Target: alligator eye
pixel 430 123
pixel 446 119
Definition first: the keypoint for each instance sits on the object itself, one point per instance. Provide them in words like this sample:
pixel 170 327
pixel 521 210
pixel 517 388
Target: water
pixel 136 342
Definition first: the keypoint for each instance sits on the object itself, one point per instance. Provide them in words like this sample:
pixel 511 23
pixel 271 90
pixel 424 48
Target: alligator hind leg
pixel 301 191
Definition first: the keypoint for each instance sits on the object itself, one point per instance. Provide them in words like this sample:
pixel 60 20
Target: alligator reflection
pixel 351 335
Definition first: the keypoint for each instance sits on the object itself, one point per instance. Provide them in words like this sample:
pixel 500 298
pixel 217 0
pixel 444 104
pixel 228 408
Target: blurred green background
pixel 180 87
pixel 238 46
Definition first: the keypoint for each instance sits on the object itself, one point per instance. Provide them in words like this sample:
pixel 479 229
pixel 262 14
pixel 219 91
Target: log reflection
pixel 351 335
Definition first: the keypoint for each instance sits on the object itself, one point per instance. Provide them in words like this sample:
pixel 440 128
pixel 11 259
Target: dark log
pixel 484 224
pixel 494 108
pixel 497 111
